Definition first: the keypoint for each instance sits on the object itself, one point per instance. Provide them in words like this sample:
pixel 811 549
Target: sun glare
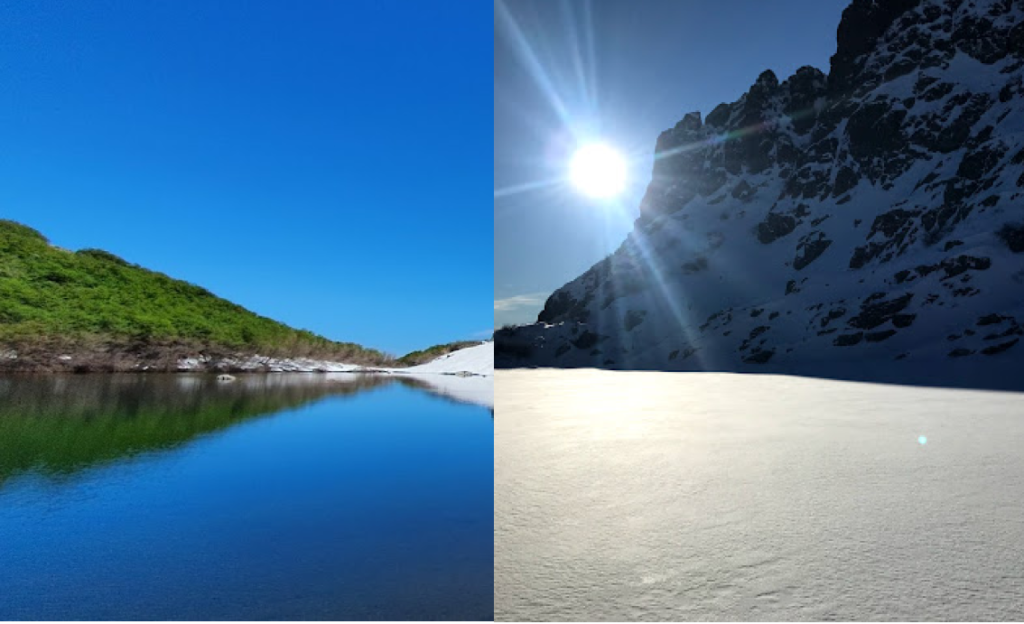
pixel 598 171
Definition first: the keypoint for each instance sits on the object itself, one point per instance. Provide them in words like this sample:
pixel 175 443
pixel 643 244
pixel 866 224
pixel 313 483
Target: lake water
pixel 273 497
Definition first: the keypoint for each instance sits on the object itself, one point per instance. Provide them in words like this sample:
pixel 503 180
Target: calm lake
pixel 272 497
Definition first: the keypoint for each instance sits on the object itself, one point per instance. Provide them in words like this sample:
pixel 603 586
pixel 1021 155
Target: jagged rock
pixel 810 247
pixel 990 319
pixel 774 227
pixel 915 130
pixel 557 305
pixel 757 331
pixel 960 264
pixel 879 336
pixel 872 313
pixel 586 340
pixel 848 340
pixel 833 315
pixel 999 348
pixel 893 227
pixel 863 24
pixel 1013 235
pixel 903 320
pixel 760 356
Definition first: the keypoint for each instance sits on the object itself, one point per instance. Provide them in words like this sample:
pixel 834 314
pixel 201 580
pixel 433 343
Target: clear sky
pixel 323 163
pixel 621 72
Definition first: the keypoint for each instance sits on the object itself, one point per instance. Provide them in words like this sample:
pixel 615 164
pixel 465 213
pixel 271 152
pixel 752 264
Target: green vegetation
pixel 52 298
pixel 60 424
pixel 432 353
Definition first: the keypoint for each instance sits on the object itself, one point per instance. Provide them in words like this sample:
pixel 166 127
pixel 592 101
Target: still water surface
pixel 274 497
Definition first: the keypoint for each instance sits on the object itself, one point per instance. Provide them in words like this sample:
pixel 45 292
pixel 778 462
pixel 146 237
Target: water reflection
pixel 474 390
pixel 285 496
pixel 59 424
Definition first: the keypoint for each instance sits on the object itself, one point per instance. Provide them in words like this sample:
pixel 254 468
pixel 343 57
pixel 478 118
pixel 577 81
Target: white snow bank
pixel 629 496
pixel 447 377
pixel 478 360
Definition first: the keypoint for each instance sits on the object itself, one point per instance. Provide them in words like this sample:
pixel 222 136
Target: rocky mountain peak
pixel 863 23
pixel 766 83
pixel 882 203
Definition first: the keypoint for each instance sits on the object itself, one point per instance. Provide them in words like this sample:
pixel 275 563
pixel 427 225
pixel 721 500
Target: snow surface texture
pixel 868 220
pixel 478 360
pixel 707 496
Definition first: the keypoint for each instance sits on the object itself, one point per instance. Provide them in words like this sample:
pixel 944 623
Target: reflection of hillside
pixel 60 424
pixel 475 390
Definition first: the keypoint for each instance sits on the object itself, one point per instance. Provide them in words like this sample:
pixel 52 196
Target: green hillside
pixel 432 353
pixel 51 296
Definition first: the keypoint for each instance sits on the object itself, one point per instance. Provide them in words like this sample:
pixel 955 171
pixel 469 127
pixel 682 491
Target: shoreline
pixel 465 388
pixel 176 358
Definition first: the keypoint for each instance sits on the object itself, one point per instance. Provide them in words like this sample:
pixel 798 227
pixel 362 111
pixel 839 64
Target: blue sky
pixel 620 72
pixel 323 163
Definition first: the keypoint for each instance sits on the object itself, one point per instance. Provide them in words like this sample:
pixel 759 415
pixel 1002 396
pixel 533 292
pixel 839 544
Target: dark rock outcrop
pixel 761 206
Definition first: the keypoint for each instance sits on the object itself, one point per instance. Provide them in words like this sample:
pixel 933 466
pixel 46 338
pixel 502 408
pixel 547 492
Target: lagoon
pixel 272 497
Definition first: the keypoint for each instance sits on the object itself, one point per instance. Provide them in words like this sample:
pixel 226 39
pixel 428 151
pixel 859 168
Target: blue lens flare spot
pixel 922 439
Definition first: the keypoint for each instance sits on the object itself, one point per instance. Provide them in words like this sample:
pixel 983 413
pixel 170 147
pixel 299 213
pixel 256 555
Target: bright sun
pixel 598 171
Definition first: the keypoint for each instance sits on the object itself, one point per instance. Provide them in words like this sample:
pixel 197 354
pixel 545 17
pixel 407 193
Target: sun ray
pixel 529 58
pixel 528 187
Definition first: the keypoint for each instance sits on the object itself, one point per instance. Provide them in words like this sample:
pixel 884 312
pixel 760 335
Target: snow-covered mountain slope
pixel 478 360
pixel 872 218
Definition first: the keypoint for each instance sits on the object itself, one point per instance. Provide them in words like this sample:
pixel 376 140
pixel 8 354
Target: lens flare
pixel 598 171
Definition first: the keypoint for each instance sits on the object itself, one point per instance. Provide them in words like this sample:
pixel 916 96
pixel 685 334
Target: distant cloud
pixel 519 301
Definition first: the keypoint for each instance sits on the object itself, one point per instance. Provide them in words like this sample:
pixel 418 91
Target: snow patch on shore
pixel 478 360
pixel 466 375
pixel 259 363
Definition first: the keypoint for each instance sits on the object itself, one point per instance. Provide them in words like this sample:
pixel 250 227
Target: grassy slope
pixel 432 353
pixel 51 295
